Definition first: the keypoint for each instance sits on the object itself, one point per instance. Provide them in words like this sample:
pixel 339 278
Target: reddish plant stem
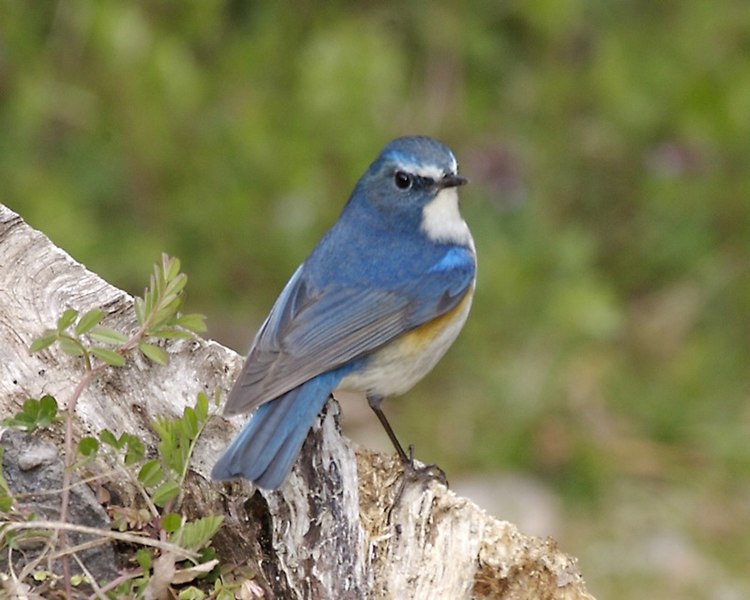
pixel 91 374
pixel 68 470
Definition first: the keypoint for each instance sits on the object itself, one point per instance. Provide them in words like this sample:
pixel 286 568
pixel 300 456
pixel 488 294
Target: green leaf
pixel 151 473
pixel 88 446
pixel 170 266
pixel 169 333
pixel 176 285
pixel 6 504
pixel 31 407
pixel 107 437
pixel 136 450
pixel 148 298
pixel 196 534
pixel 108 356
pixel 164 315
pixel 5 493
pixel 20 421
pixel 171 522
pixel 88 321
pixel 43 342
pixel 66 319
pixel 193 321
pixel 224 594
pixel 144 558
pixel 47 410
pixel 169 490
pixel 206 554
pixel 155 353
pixel 169 301
pixel 71 346
pixel 107 335
pixel 189 422
pixel 164 427
pixel 191 593
pixel 201 407
pixel 139 310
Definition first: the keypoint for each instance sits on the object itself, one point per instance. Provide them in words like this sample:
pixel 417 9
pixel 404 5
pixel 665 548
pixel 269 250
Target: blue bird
pixel 372 309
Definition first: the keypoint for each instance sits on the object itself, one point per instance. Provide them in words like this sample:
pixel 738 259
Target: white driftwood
pixel 345 525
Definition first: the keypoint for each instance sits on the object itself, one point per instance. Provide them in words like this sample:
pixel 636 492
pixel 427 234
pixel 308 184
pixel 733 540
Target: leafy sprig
pixel 158 315
pixel 177 439
pixel 34 414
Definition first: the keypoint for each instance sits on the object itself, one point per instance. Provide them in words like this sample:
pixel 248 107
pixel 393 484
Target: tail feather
pixel 266 448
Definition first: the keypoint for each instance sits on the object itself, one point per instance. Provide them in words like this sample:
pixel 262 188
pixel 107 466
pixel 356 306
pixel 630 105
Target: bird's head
pixel 413 184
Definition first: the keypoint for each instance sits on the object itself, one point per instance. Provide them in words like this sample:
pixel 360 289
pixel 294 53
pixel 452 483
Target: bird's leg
pixel 375 402
pixel 425 472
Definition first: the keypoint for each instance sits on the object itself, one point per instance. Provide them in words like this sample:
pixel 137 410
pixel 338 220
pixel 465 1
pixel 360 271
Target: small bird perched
pixel 372 309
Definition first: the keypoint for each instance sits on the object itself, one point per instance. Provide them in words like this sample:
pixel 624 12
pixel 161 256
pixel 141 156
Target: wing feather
pixel 312 330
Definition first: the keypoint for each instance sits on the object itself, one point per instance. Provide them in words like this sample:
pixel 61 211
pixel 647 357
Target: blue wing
pixel 315 328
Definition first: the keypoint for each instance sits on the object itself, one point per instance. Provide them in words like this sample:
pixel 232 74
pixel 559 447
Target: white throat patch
pixel 442 221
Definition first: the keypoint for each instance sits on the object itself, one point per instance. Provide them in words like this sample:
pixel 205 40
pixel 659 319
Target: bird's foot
pixel 423 473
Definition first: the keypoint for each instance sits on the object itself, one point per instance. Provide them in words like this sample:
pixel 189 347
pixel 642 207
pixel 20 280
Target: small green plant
pixel 158 317
pixel 175 544
pixel 34 414
pixel 177 438
pixel 160 480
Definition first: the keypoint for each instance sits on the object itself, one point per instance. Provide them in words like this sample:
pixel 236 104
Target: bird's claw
pixel 423 473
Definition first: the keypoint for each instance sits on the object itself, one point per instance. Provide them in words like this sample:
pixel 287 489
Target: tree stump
pixel 345 524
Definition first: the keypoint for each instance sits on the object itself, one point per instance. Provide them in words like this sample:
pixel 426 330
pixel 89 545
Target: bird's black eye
pixel 403 180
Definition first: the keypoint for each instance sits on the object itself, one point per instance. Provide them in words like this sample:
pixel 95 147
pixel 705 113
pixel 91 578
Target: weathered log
pixel 345 525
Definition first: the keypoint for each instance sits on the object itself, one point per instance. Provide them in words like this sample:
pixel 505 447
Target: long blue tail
pixel 266 448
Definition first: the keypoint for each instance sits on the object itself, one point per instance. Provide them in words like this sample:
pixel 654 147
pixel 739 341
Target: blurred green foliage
pixel 607 143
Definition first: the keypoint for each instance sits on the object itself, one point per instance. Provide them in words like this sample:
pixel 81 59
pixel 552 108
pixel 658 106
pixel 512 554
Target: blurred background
pixel 599 393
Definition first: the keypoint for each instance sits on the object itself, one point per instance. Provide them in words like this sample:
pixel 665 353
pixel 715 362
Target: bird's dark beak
pixel 451 180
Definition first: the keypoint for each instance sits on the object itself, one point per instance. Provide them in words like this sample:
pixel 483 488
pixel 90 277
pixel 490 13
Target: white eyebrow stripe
pixel 429 171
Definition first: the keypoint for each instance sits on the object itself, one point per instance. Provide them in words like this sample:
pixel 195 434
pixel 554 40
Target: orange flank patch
pixel 422 336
